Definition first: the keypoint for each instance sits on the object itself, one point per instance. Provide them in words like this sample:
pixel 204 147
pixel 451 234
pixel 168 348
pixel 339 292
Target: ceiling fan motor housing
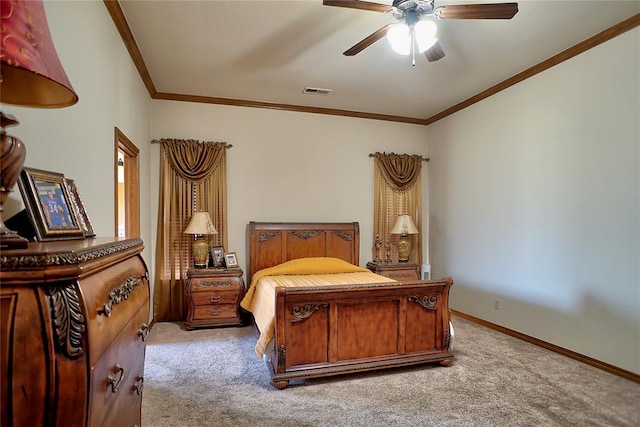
pixel 411 10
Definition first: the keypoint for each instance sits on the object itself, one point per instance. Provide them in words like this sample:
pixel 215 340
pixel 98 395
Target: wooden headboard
pixel 272 243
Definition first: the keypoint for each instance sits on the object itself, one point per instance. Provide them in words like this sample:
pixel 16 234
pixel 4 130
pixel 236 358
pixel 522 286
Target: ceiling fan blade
pixel 367 41
pixel 477 11
pixel 362 5
pixel 434 53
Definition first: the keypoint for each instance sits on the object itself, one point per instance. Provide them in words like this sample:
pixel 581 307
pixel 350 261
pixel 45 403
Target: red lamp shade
pixel 32 75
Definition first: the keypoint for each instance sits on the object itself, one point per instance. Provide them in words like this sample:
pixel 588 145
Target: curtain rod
pixel 426 159
pixel 157 141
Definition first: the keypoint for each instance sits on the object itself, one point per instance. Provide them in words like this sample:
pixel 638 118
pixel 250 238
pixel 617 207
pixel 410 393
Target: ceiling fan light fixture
pixel 399 37
pixel 425 33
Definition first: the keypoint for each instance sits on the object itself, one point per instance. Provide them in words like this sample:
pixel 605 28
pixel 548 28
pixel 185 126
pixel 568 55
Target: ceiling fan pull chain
pixel 413 47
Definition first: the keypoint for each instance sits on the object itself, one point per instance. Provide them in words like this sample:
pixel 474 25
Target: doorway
pixel 127 185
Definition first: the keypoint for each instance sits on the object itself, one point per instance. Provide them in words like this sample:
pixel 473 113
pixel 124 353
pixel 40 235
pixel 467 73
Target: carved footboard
pixel 334 330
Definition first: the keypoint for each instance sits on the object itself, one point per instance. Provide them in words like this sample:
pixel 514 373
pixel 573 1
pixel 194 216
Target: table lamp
pixel 31 75
pixel 404 226
pixel 200 225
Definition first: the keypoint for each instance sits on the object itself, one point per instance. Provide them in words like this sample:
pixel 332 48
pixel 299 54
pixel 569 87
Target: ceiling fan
pixel 412 33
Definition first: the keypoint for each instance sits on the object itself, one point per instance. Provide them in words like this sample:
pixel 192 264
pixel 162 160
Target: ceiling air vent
pixel 316 91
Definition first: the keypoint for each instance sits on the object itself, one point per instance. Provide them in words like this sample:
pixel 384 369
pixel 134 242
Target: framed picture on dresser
pixel 76 202
pixel 49 205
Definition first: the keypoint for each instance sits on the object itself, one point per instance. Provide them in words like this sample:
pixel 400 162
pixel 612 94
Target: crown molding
pixel 120 21
pixel 603 36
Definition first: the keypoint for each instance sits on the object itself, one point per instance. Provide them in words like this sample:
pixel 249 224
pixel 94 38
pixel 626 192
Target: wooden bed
pixel 340 329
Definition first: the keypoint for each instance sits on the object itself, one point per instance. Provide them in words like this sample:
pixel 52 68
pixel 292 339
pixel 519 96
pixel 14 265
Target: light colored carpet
pixel 212 377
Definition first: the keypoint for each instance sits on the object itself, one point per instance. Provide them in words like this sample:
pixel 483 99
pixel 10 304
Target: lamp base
pixel 11 240
pixel 12 155
pixel 404 248
pixel 200 251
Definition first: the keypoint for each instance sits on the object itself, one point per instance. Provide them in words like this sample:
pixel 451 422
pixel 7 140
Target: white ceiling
pixel 269 51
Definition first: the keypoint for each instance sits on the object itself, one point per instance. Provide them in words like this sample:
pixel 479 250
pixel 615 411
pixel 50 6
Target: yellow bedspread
pixel 260 298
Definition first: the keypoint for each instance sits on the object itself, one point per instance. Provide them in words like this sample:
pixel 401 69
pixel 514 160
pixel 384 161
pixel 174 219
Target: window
pixel 192 178
pixel 397 191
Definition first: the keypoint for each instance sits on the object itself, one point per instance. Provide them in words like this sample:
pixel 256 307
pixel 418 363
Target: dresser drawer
pixel 118 378
pixel 219 297
pixel 215 312
pixel 113 296
pixel 128 410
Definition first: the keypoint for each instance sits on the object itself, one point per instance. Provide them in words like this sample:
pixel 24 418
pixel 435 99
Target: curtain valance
pixel 191 159
pixel 400 171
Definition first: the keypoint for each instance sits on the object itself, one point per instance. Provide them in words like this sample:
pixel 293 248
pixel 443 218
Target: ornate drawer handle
pixel 214 299
pixel 138 387
pixel 121 293
pixel 115 382
pixel 143 331
pixel 215 313
pixel 215 283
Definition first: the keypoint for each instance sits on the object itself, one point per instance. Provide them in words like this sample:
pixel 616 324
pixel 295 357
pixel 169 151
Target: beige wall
pixel 78 141
pixel 535 201
pixel 287 166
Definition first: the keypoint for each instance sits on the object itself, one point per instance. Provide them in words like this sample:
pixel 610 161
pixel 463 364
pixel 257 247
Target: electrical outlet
pixel 496 304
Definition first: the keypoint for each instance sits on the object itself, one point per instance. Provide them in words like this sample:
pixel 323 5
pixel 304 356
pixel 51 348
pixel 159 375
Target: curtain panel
pixel 397 191
pixel 192 178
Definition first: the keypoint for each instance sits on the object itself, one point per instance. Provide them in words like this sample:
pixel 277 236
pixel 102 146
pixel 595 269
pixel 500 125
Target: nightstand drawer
pixel 221 297
pixel 214 312
pixel 402 275
pixel 402 272
pixel 214 284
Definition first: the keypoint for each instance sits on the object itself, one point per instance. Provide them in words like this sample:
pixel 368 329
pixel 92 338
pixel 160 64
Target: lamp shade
pixel 404 225
pixel 200 224
pixel 32 75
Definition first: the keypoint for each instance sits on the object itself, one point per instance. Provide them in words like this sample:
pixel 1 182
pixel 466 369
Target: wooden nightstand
pixel 213 297
pixel 401 271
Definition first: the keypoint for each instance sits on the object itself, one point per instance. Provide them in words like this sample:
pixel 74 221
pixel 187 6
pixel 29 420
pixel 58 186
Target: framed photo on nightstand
pixel 231 259
pixel 217 257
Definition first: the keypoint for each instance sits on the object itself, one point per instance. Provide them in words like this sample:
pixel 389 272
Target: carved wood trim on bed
pixel 272 243
pixel 340 329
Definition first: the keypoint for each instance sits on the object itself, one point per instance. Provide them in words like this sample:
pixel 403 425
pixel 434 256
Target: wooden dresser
pixel 213 297
pixel 74 320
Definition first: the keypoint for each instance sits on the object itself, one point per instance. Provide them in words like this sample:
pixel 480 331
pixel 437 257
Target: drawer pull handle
pixel 143 331
pixel 214 299
pixel 215 313
pixel 115 380
pixel 139 384
pixel 121 293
